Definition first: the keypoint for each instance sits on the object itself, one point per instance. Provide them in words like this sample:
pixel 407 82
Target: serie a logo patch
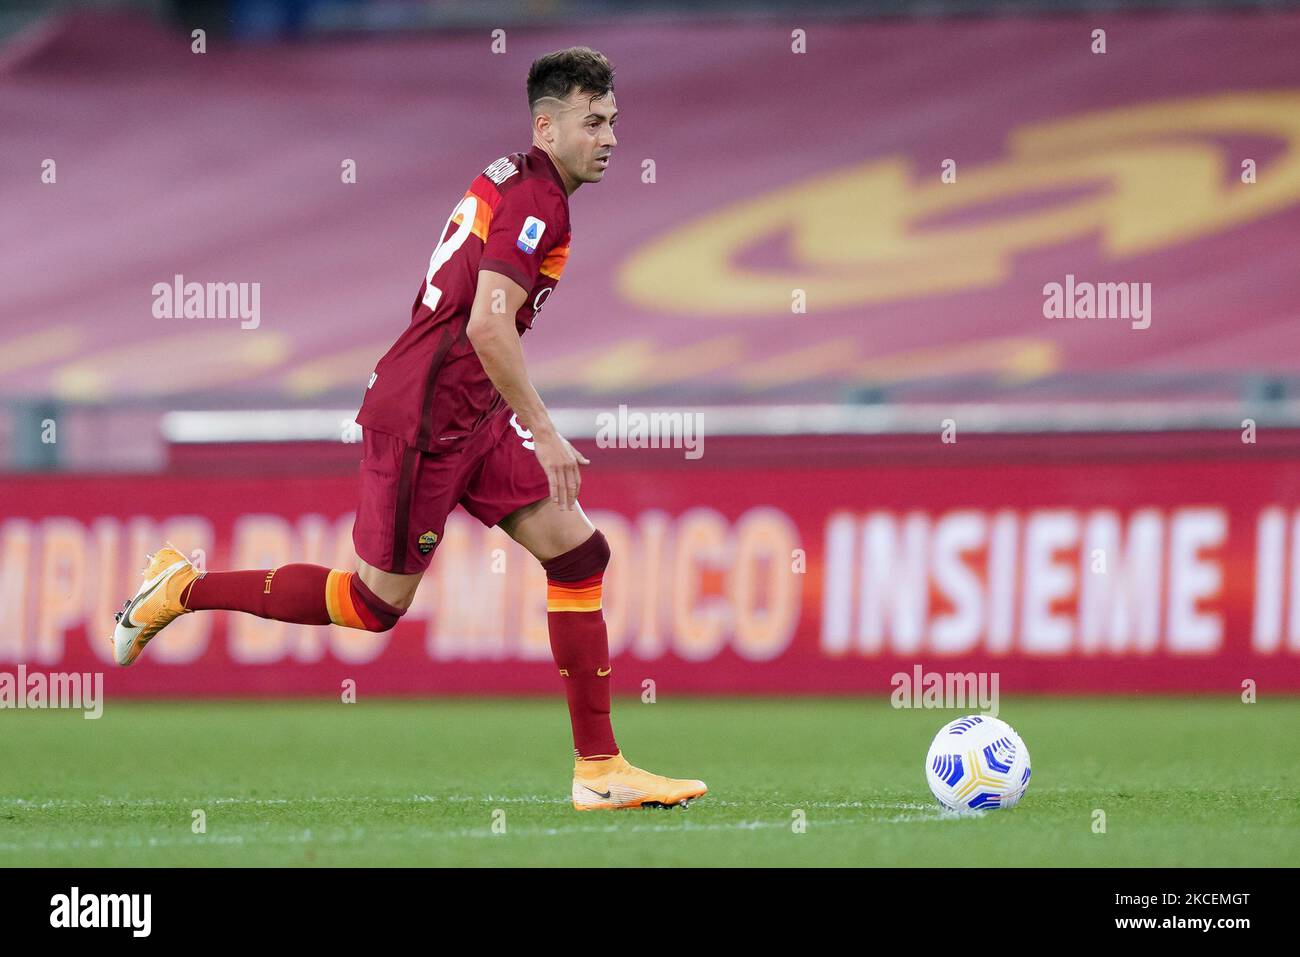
pixel 530 235
pixel 427 541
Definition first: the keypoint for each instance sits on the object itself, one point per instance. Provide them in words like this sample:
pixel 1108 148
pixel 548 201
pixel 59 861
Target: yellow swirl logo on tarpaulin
pixel 1138 179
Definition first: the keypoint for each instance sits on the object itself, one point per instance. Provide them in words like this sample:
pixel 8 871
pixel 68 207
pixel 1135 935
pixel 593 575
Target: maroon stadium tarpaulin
pixel 750 182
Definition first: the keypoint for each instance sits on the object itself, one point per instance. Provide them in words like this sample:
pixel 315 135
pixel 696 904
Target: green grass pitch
pixel 1182 782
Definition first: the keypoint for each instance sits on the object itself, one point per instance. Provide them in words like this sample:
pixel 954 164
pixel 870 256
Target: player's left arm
pixel 528 223
pixel 492 333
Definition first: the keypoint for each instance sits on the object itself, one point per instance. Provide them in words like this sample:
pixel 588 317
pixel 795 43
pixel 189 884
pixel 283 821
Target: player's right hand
pixel 560 461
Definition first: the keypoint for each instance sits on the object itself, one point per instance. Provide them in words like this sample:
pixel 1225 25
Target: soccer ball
pixel 977 763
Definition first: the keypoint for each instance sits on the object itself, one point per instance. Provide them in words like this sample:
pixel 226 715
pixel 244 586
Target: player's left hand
pixel 560 460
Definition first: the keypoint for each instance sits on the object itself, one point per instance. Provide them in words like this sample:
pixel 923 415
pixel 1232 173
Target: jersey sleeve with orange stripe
pixel 527 236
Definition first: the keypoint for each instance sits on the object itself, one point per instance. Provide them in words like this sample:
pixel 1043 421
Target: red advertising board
pixel 1134 564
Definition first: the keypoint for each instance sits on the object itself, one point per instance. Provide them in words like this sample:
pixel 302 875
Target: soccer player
pixel 450 416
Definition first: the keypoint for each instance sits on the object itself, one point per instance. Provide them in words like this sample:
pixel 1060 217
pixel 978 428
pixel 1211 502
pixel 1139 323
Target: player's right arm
pixel 492 333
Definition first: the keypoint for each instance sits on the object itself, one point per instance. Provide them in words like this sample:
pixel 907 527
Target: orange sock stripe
pixel 574 593
pixel 338 599
pixel 574 596
pixel 332 594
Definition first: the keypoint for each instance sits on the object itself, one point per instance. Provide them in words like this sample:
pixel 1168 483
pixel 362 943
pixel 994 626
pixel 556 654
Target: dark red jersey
pixel 430 389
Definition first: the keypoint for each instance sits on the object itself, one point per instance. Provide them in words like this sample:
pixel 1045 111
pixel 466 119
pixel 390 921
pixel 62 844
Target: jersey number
pixel 525 434
pixel 447 247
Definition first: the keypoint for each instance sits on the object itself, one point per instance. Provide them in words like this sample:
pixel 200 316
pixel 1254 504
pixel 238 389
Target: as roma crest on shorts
pixel 427 541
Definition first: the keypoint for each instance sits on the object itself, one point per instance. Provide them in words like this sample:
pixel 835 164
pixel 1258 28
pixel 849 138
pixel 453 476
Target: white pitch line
pixel 103 802
pixel 912 813
pixel 359 835
pixel 711 801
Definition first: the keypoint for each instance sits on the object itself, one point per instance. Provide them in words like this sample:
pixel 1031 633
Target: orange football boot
pixel 155 605
pixel 613 784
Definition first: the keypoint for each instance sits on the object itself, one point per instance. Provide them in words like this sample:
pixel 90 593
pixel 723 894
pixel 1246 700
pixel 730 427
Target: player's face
pixel 585 137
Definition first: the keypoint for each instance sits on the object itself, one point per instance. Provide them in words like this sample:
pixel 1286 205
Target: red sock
pixel 579 643
pixel 300 593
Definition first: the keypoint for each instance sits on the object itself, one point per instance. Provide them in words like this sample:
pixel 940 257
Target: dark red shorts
pixel 406 494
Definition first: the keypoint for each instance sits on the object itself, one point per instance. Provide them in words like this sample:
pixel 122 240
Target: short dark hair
pixel 558 73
